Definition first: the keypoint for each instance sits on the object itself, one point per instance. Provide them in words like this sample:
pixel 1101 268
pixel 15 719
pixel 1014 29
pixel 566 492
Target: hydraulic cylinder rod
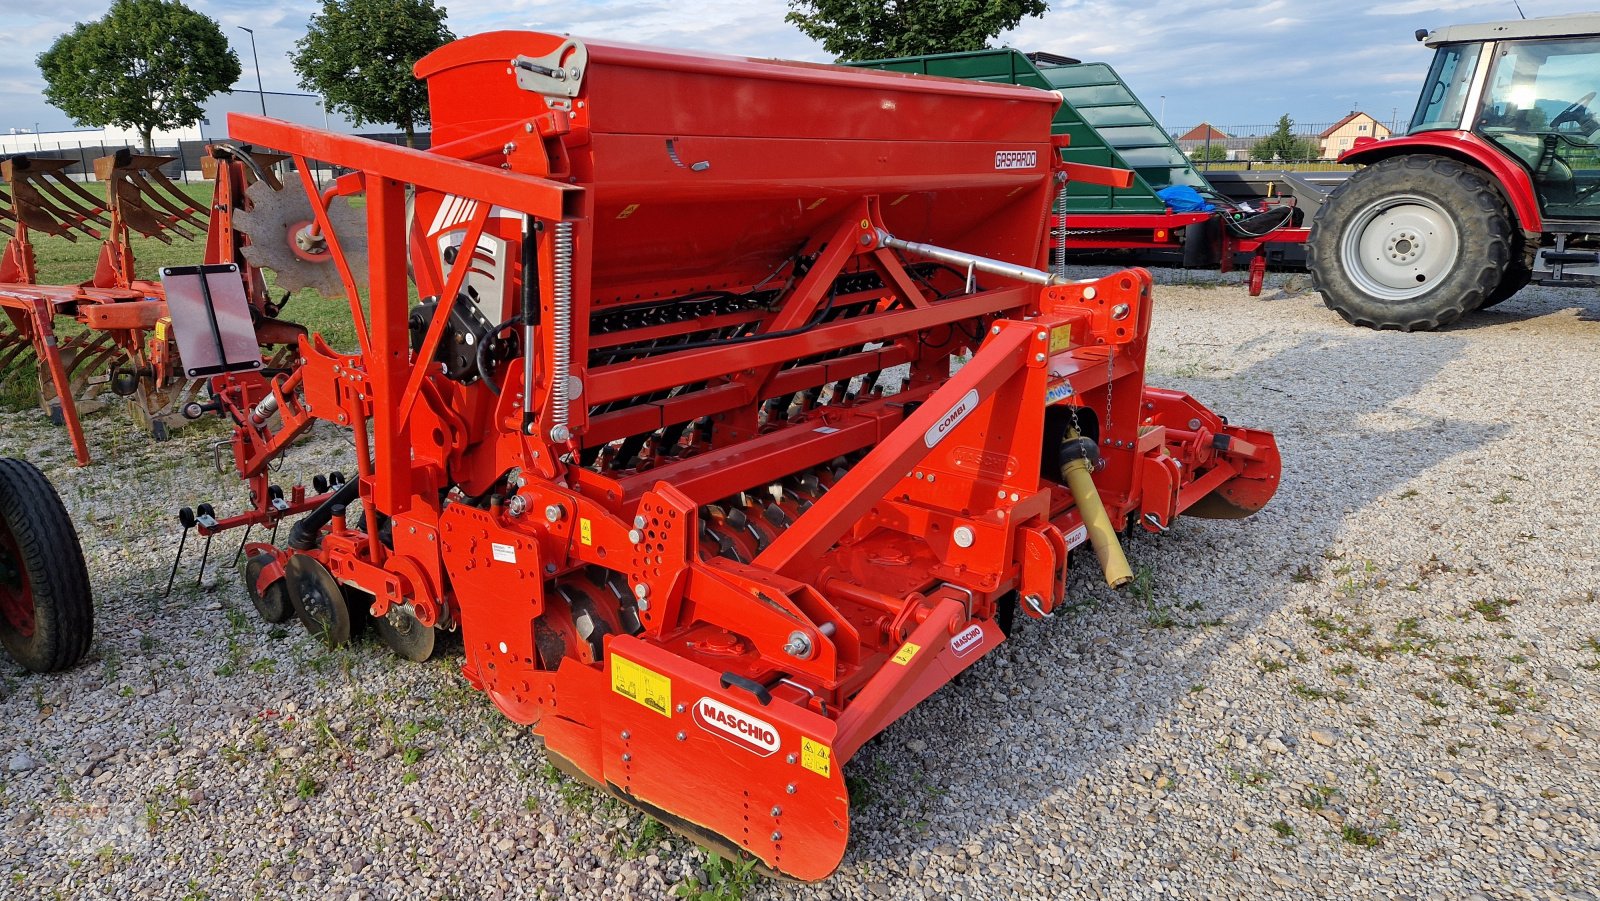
pixel 972 261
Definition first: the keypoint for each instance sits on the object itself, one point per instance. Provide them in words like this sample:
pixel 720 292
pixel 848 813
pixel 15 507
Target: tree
pixel 148 64
pixel 359 54
pixel 873 29
pixel 1212 152
pixel 1283 145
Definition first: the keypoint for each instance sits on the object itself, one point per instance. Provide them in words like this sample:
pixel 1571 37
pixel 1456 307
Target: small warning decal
pixel 627 211
pixel 906 652
pixel 637 683
pixel 586 532
pixel 503 553
pixel 816 757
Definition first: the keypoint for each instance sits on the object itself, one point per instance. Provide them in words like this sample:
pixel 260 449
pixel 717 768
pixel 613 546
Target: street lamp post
pixel 257 60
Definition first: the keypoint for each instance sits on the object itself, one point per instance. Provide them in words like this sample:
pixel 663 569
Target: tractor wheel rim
pixel 16 594
pixel 1400 247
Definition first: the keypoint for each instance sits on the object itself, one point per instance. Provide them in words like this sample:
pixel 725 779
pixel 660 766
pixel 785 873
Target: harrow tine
pixel 168 193
pixel 89 210
pixel 187 521
pixel 246 537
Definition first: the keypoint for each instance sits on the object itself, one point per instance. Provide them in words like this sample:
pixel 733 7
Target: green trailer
pixel 1107 125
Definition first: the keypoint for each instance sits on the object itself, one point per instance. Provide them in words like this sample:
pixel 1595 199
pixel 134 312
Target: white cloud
pixel 1226 62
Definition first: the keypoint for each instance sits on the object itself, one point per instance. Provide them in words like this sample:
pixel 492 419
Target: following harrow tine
pixel 135 214
pixel 67 206
pixel 168 193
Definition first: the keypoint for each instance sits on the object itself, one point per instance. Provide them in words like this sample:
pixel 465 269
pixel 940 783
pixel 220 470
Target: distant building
pixel 302 109
pixel 1341 135
pixel 1204 132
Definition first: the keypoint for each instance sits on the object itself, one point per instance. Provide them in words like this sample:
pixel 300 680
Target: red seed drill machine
pixel 737 414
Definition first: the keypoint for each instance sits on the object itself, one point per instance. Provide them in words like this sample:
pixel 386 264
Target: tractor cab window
pixel 1444 95
pixel 1539 106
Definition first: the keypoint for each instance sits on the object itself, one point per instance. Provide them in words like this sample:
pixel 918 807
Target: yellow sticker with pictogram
pixel 816 757
pixel 637 683
pixel 906 652
pixel 1060 338
pixel 586 532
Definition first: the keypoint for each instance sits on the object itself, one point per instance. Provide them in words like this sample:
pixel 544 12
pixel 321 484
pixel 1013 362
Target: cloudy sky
pixel 1230 62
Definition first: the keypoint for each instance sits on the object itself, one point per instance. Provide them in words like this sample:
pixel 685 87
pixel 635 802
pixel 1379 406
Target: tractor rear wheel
pixel 46 609
pixel 1411 243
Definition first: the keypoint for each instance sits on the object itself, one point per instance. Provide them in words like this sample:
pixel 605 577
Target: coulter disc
pixel 317 600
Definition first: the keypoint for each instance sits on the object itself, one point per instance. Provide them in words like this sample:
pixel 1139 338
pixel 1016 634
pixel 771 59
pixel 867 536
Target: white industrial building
pixel 304 109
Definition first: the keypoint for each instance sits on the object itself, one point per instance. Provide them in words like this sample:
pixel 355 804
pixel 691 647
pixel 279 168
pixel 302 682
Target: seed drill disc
pixel 273 603
pixel 405 636
pixel 317 600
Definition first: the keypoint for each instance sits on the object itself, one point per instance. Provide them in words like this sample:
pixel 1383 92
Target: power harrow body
pixel 117 337
pixel 736 417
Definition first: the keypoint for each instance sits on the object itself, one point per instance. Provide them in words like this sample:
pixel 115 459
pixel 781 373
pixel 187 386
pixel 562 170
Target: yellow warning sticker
pixel 637 683
pixel 818 202
pixel 1060 338
pixel 627 211
pixel 586 532
pixel 816 757
pixel 906 652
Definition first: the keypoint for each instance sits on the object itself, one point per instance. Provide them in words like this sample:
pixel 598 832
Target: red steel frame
pixel 739 667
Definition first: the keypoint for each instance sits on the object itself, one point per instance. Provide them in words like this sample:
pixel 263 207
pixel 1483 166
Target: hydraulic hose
pixel 1077 470
pixel 304 535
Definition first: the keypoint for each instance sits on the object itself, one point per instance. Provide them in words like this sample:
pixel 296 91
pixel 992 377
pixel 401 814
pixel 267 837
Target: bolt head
pixel 626 735
pixel 790 759
pixel 635 536
pixel 1090 293
pixel 1120 312
pixel 1038 358
pixel 640 522
pixel 777 811
pixel 641 591
pixel 963 536
pixel 560 434
pixel 683 736
pixel 553 513
pixel 777 836
pixel 627 757
pixel 789 788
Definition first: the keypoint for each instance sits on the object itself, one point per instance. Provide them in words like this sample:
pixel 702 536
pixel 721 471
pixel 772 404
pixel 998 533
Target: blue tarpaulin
pixel 1184 199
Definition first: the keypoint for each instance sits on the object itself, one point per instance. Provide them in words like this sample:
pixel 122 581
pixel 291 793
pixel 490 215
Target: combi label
pixel 950 420
pixel 1016 159
pixel 751 733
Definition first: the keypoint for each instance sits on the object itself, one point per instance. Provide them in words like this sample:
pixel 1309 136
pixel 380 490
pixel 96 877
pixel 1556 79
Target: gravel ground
pixel 1384 685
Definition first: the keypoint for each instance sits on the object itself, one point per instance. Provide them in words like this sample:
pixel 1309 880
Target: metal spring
pixel 561 333
pixel 1058 251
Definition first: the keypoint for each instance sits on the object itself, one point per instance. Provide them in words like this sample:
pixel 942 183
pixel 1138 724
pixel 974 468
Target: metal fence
pixel 185 166
pixel 1228 147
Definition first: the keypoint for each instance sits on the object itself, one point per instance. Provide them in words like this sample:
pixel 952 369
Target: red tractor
pixel 1496 183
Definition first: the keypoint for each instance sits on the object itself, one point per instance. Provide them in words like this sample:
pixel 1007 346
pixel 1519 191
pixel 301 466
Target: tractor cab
pixel 1530 96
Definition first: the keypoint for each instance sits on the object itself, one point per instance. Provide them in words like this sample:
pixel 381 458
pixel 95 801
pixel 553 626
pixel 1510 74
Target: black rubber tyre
pixel 1515 279
pixel 1519 272
pixel 1410 243
pixel 46 608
